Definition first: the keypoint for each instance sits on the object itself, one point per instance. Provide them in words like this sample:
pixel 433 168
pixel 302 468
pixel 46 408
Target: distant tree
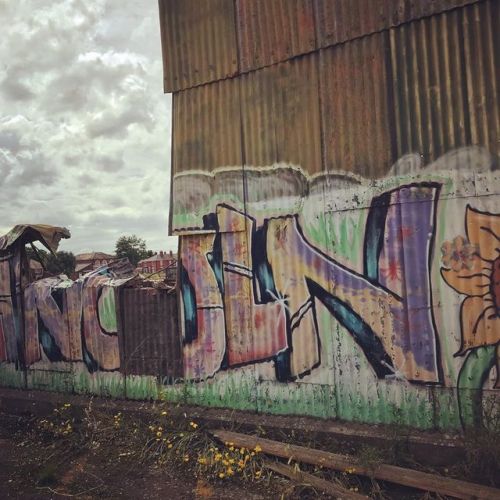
pixel 132 247
pixel 62 263
pixel 40 254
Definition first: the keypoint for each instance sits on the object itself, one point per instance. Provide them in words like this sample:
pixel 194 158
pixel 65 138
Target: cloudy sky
pixel 84 124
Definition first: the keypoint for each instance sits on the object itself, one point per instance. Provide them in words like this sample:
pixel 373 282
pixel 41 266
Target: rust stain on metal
pixel 355 107
pixel 271 31
pixel 339 21
pixel 198 41
pixel 148 333
pixel 281 115
pixel 445 78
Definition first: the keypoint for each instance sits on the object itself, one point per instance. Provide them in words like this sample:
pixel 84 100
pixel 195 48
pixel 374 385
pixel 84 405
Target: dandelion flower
pixel 258 449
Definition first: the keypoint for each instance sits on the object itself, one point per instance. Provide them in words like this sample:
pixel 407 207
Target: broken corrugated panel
pixel 198 41
pixel 149 333
pixel 206 141
pixel 271 31
pixel 355 107
pixel 340 20
pixel 281 115
pixel 445 81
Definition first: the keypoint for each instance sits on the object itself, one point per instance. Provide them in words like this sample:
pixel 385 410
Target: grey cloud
pixel 15 89
pixel 85 180
pixel 9 139
pixel 110 164
pixel 114 124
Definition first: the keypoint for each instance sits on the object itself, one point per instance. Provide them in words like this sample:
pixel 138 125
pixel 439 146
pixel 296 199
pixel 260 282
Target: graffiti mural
pixel 256 281
pixel 263 312
pixel 74 321
pixel 471 266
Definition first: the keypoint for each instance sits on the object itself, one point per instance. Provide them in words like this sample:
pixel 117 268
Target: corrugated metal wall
pixel 364 132
pixel 445 74
pixel 150 343
pixel 209 40
pixel 198 41
pixel 354 107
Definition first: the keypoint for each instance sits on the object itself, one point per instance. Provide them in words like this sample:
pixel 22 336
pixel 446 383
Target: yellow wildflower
pixel 221 474
pixel 258 449
pixel 163 412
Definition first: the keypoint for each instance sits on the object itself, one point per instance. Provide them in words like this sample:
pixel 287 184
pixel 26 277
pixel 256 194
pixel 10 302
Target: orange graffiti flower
pixel 476 275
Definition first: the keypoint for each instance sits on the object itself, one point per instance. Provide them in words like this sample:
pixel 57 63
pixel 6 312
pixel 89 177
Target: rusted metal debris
pixel 23 234
pixel 391 473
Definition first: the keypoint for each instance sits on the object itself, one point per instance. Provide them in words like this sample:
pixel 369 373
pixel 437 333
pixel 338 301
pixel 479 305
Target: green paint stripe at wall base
pixel 231 390
pixel 45 380
pixel 296 399
pixel 105 384
pixel 142 387
pixel 10 377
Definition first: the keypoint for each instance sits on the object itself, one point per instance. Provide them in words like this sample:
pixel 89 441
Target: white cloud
pixel 84 124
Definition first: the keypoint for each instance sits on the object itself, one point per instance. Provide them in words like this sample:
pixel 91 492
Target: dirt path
pixel 28 472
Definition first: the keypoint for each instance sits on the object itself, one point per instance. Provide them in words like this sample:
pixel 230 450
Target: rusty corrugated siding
pixel 198 42
pixel 356 111
pixel 149 338
pixel 445 81
pixel 281 115
pixel 206 127
pixel 208 40
pixel 207 136
pixel 271 31
pixel 338 21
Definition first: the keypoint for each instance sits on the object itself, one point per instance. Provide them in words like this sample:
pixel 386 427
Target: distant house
pixel 86 262
pixel 158 262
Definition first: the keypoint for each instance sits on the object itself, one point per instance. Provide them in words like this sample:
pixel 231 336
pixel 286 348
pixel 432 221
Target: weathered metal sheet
pixel 356 107
pixel 271 31
pixel 281 116
pixel 150 343
pixel 23 234
pixel 207 151
pixel 338 21
pixel 198 42
pixel 445 74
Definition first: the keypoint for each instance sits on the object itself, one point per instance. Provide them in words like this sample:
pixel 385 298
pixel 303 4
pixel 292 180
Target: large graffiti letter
pixel 201 309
